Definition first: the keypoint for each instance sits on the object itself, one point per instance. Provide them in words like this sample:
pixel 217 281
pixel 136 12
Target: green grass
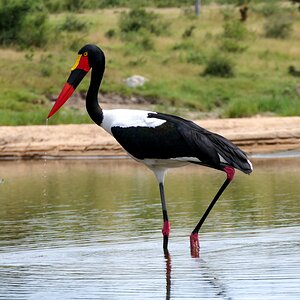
pixel 174 65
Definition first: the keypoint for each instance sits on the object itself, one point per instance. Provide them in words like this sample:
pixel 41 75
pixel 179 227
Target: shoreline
pixel 257 135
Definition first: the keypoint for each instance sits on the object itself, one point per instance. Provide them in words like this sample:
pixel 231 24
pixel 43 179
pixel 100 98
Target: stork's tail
pixel 232 154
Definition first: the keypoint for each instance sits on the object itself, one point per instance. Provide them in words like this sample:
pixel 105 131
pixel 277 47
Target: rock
pixel 135 81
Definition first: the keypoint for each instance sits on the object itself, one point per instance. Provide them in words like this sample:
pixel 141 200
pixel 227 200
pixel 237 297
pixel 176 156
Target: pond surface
pixel 91 229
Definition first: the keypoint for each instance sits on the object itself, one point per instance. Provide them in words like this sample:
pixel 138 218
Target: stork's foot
pixel 166 232
pixel 195 245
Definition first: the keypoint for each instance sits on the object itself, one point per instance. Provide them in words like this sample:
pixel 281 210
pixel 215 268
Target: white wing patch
pixel 168 163
pixel 128 118
pixel 222 159
pixel 249 162
pixel 186 159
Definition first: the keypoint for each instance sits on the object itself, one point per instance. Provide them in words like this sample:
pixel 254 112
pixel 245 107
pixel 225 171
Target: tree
pixel 244 7
pixel 198 7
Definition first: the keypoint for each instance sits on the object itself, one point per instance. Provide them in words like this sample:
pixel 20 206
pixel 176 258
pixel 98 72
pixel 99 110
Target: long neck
pixel 92 105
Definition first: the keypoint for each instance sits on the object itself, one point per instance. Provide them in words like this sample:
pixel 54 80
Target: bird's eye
pixel 85 54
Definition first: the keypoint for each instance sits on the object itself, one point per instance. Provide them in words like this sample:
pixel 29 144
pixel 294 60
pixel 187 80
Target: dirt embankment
pixel 254 135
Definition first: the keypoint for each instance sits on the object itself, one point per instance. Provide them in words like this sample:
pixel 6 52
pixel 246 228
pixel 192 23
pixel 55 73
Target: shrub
pixel 234 29
pixel 170 3
pixel 240 108
pixel 141 41
pixel 54 6
pixel 146 43
pixel 109 3
pixel 23 22
pixel 138 61
pixel 219 66
pixel 46 65
pixel 186 45
pixel 188 32
pixel 138 26
pixel 293 71
pixel 110 33
pixel 73 5
pixel 278 27
pixel 75 42
pixel 34 31
pixel 270 9
pixel 73 23
pixel 11 18
pixel 232 45
pixel 235 32
pixel 227 13
pixel 196 58
pixel 139 19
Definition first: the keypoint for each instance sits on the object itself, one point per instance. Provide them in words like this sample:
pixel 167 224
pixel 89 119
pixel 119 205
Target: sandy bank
pixel 254 135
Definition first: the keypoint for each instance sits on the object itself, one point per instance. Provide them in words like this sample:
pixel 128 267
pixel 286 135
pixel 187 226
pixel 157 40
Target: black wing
pixel 161 142
pixel 209 146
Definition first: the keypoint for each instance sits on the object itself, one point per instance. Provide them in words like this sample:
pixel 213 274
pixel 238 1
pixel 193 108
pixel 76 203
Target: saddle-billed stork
pixel 158 140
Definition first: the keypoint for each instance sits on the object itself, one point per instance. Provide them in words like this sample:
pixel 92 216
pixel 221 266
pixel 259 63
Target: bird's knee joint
pixel 230 171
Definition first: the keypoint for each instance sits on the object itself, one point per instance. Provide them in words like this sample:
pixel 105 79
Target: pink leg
pixel 166 233
pixel 195 245
pixel 166 228
pixel 194 240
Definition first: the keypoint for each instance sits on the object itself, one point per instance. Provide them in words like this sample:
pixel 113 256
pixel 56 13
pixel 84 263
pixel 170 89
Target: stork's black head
pixel 93 53
pixel 89 56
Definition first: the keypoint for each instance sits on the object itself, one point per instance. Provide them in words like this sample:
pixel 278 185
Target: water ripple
pixel 88 240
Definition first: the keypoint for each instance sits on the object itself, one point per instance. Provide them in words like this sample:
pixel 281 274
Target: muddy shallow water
pixel 91 229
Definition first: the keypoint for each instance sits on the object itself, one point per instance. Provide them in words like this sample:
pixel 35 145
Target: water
pixel 92 230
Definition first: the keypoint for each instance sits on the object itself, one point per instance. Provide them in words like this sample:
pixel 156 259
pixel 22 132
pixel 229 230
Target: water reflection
pixel 92 230
pixel 168 273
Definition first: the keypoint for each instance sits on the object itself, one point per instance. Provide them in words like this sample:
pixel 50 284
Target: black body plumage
pixel 178 138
